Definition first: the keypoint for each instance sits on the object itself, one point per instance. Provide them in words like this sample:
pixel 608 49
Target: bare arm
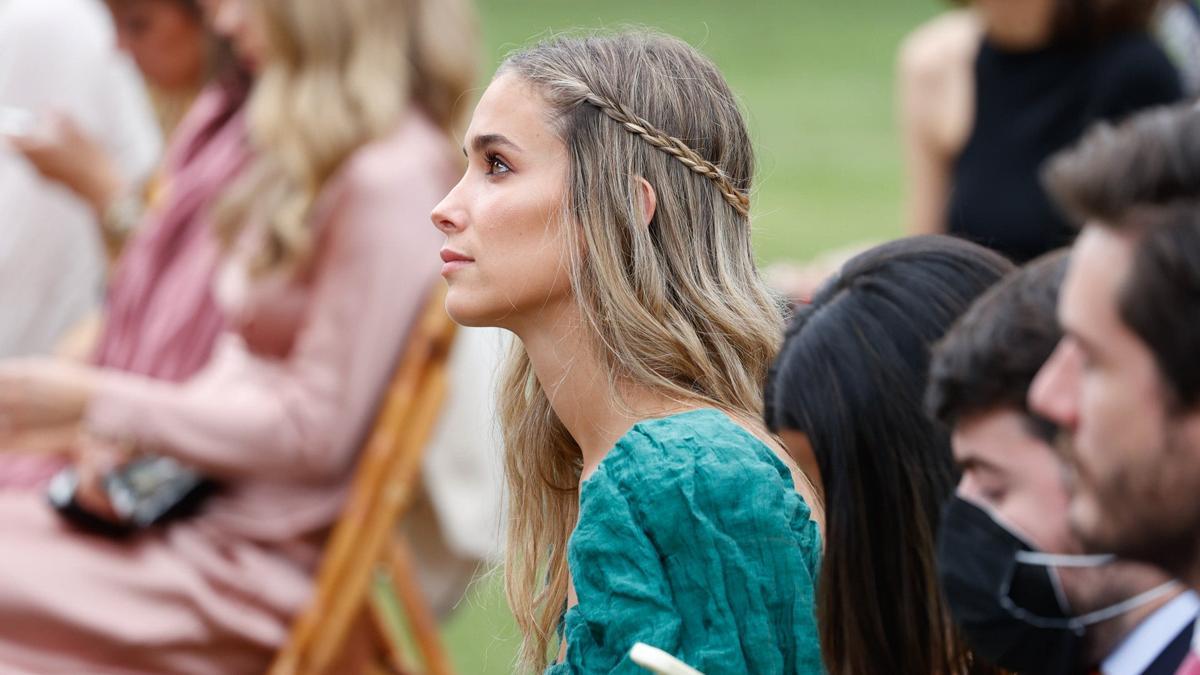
pixel 935 96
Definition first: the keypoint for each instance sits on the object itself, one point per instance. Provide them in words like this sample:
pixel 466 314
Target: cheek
pixel 526 254
pixel 172 52
pixel 522 263
pixel 1035 502
pixel 1114 418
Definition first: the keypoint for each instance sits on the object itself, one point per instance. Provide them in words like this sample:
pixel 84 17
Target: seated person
pixel 845 397
pixel 320 280
pixel 1011 501
pixel 648 502
pixel 58 58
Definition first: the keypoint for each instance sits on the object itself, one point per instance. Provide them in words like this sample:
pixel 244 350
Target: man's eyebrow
pixel 974 462
pixel 482 141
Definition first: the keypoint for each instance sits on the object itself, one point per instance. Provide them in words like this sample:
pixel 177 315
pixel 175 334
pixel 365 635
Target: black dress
pixel 1028 105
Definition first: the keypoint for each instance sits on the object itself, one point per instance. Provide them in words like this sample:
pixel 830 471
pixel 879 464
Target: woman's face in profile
pixel 166 39
pixel 505 259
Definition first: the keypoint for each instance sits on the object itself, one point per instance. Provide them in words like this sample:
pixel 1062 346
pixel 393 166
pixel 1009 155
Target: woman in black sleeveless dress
pixel 989 93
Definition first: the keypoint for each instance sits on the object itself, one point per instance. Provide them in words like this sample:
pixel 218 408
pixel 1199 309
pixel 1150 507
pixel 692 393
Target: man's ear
pixel 649 201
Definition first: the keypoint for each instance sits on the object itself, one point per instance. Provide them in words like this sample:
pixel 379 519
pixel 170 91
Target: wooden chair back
pixel 364 542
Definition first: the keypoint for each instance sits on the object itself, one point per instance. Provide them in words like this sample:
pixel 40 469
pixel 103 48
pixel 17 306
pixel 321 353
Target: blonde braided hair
pixel 675 306
pixel 670 145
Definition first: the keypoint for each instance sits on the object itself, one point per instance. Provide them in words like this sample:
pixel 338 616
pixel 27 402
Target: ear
pixel 649 201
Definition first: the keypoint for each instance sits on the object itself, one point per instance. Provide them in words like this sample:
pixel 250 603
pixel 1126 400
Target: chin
pixel 466 313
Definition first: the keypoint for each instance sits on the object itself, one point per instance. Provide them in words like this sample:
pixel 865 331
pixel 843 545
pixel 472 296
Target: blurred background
pixel 817 81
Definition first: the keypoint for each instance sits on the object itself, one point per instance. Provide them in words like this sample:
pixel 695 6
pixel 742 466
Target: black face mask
pixel 1006 597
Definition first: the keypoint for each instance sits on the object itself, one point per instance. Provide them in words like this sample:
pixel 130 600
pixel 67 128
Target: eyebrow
pixel 1084 343
pixel 974 462
pixel 486 140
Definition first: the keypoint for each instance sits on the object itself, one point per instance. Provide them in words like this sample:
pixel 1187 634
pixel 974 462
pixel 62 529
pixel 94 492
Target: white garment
pixel 1139 649
pixel 463 468
pixel 60 56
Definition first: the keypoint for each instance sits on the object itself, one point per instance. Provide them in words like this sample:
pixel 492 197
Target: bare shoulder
pixel 936 83
pixel 940 46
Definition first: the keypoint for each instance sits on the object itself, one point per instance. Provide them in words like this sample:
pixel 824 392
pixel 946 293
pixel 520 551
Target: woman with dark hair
pixel 988 93
pixel 845 396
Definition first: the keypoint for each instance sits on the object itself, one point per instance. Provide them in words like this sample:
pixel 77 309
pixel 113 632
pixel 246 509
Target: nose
pixel 227 17
pixel 969 489
pixel 1054 393
pixel 449 216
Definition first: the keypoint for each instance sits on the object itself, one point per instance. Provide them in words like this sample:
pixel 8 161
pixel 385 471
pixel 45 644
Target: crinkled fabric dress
pixel 692 538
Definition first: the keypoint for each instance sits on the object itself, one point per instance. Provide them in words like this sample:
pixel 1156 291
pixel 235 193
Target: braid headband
pixel 672 146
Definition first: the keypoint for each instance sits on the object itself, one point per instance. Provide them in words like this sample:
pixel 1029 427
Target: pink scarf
pixel 162 318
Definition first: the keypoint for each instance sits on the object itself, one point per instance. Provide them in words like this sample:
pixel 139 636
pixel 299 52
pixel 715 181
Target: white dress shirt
pixel 1139 649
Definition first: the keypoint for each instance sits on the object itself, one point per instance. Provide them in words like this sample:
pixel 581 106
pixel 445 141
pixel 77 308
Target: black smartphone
pixel 144 492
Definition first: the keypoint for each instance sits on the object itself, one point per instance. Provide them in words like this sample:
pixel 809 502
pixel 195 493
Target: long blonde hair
pixel 676 308
pixel 340 74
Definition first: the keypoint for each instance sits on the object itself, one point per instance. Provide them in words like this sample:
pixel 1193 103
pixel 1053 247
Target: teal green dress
pixel 692 538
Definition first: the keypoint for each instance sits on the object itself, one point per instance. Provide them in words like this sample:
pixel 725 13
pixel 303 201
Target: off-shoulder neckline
pixel 641 425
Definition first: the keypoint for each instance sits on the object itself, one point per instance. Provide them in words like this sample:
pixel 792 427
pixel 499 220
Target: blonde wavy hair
pixel 338 75
pixel 677 307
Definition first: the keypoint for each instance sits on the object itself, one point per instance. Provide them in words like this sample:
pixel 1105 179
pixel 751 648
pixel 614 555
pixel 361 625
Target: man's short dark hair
pixel 1144 177
pixel 988 360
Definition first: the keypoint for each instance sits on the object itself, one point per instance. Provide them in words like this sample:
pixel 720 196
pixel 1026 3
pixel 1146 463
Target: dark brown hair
pixel 1144 177
pixel 851 376
pixel 989 358
pixel 1089 22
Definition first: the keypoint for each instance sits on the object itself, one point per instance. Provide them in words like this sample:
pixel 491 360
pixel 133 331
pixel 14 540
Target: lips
pixel 453 260
pixel 451 256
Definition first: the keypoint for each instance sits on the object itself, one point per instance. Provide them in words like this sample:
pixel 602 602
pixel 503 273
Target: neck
pixel 1018 24
pixel 579 387
pixel 1104 637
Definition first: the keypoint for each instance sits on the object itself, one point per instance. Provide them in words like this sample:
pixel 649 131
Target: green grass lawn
pixel 815 78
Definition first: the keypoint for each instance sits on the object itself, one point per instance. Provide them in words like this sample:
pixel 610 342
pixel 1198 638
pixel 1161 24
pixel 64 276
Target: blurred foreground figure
pixel 177 56
pixel 844 395
pixel 987 94
pixel 1124 382
pixel 1012 571
pixel 57 57
pixel 325 258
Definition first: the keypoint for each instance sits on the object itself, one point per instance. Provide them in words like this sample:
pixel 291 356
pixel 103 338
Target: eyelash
pixel 493 160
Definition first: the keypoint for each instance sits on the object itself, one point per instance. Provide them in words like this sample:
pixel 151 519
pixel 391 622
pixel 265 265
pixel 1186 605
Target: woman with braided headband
pixel 604 219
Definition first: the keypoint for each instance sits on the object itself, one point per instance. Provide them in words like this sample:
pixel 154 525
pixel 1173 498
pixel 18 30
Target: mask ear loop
pixel 1042 559
pixel 1052 561
pixel 1127 604
pixel 1013 608
pixel 1095 560
pixel 1078 623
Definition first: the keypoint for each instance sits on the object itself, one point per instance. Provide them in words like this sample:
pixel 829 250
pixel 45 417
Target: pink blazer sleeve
pixel 304 417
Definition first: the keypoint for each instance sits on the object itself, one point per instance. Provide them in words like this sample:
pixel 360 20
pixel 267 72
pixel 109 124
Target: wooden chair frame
pixel 365 542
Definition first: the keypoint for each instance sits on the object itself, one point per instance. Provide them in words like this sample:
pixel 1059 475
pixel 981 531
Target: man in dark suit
pixel 1009 563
